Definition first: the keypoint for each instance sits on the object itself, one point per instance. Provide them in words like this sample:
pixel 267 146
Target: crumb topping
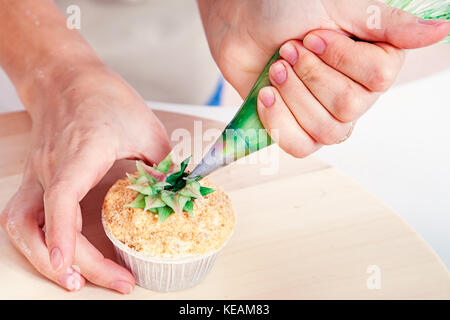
pixel 181 235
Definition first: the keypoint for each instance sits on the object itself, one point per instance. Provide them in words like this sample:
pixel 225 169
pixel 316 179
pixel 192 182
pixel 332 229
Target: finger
pixel 345 99
pixel 374 66
pixel 152 145
pixel 61 200
pixel 158 145
pixel 372 20
pixel 22 225
pixel 309 113
pixel 282 126
pixel 100 270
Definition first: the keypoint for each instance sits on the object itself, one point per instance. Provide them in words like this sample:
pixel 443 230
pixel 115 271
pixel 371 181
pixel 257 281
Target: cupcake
pixel 166 227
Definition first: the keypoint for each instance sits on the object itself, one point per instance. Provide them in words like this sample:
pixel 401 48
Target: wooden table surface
pixel 307 232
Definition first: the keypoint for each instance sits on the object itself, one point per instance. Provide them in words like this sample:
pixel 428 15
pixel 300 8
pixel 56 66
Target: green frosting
pixel 164 192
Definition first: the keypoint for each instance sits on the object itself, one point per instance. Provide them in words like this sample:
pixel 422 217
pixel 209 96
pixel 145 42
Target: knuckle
pixel 347 107
pixel 226 55
pixel 337 59
pixel 306 67
pixel 330 134
pixel 382 78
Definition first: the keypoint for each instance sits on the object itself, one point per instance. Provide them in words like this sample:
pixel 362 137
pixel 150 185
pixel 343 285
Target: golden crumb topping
pixel 181 235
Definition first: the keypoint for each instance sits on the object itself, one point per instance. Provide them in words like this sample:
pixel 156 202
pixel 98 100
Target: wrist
pixel 54 72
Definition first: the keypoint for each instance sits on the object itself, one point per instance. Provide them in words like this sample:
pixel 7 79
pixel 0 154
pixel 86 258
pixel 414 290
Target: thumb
pixel 157 147
pixel 153 145
pixel 372 20
pixel 61 203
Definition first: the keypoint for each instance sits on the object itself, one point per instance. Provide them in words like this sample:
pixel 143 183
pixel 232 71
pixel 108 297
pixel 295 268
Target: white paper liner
pixel 164 275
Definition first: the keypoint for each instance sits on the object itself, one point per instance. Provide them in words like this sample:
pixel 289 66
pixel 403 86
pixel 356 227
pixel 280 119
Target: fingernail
pixel 71 280
pixel 278 72
pixel 56 259
pixel 349 133
pixel 267 97
pixel 314 44
pixel 122 286
pixel 289 53
pixel 431 22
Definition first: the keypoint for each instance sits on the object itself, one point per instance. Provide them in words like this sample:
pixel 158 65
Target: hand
pixel 325 80
pixel 79 129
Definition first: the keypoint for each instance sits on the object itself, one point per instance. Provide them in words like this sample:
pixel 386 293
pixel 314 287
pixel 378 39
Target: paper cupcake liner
pixel 163 275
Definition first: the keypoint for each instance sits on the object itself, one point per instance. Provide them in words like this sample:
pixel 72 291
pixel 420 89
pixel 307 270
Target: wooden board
pixel 314 240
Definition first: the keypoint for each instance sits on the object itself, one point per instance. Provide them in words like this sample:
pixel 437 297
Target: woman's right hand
pixel 325 81
pixel 81 126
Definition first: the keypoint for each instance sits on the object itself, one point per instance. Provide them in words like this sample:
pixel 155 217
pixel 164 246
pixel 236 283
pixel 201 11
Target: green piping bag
pixel 245 134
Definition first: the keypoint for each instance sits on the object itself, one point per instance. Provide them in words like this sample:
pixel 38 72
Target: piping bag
pixel 244 135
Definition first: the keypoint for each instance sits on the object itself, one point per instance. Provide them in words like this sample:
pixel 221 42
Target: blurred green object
pixel 245 133
pixel 425 9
